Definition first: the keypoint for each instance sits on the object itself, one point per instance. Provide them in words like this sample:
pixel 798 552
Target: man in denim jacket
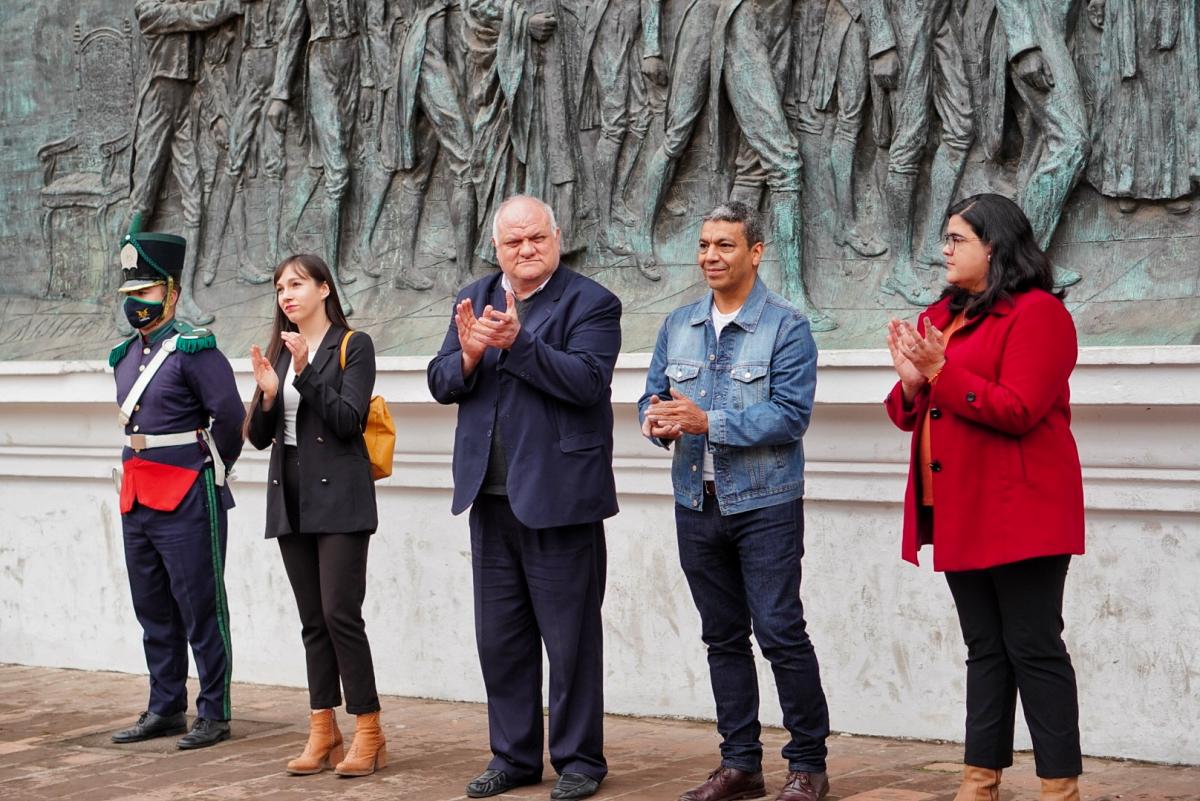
pixel 731 384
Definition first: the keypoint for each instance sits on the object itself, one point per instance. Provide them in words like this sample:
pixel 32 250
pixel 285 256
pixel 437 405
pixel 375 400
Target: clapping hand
pixel 297 345
pixel 472 347
pixel 652 427
pixel 680 412
pixel 265 376
pixel 917 359
pixel 499 329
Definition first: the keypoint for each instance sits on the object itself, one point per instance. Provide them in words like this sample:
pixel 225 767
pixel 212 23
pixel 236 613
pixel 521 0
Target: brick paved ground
pixel 54 727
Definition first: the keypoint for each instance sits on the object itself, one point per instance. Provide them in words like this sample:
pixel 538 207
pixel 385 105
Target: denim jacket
pixel 757 387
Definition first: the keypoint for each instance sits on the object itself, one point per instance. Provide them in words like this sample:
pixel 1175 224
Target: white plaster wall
pixel 886 633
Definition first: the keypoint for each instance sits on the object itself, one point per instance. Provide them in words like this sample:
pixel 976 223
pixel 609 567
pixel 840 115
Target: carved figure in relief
pixel 718 47
pixel 523 137
pixel 1030 44
pixel 255 149
pixel 212 107
pixel 422 112
pixel 774 20
pixel 1145 133
pixel 165 133
pixel 840 46
pixel 620 50
pixel 337 64
pixel 932 79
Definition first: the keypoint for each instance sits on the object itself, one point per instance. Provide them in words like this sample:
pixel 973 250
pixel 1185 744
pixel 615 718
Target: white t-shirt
pixel 720 320
pixel 291 401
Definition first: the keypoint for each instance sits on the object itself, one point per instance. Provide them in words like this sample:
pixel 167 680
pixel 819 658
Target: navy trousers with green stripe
pixel 176 563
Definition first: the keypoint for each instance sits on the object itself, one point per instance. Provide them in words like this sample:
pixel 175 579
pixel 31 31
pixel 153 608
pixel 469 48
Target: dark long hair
pixel 309 266
pixel 1017 263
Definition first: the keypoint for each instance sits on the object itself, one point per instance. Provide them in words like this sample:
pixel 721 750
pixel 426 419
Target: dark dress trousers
pixel 538 550
pixel 321 507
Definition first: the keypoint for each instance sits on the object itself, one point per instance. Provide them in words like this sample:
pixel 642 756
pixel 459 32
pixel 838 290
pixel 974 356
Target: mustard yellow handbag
pixel 380 432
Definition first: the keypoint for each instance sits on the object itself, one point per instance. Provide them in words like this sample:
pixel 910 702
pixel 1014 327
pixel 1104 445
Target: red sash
pixel 155 485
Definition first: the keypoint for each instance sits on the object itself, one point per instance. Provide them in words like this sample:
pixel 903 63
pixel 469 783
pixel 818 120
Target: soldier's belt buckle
pixel 137 442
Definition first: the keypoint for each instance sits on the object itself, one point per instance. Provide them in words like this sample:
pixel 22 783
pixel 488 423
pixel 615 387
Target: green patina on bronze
pixel 381 134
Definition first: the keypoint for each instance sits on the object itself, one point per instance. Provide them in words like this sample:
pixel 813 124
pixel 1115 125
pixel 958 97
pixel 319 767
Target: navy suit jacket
pixel 550 393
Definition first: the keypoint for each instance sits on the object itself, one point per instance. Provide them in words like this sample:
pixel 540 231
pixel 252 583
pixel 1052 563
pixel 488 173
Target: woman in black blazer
pixel 321 502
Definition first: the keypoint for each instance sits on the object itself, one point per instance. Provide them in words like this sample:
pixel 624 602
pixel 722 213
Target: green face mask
pixel 141 313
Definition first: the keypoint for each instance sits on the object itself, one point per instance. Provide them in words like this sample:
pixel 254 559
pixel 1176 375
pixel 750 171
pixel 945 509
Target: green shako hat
pixel 150 258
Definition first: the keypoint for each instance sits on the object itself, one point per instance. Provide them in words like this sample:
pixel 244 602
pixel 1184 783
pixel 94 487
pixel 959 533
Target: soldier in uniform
pixel 165 132
pixel 422 112
pixel 182 416
pixel 719 50
pixel 327 37
pixel 841 46
pixel 932 80
pixel 621 50
pixel 253 144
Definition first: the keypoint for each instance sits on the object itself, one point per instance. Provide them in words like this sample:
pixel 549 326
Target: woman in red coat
pixel 994 483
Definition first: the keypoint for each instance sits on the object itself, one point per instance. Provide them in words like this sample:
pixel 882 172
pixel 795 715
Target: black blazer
pixel 337 494
pixel 551 392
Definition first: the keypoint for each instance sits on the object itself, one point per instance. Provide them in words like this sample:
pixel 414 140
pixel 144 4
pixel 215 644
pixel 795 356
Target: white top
pixel 720 320
pixel 290 398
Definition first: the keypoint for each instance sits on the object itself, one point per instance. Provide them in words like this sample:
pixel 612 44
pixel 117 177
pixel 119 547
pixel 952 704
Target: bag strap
pixel 345 342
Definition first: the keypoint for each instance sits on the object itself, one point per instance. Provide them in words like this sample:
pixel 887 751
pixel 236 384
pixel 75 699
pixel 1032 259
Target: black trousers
pixel 328 574
pixel 1011 618
pixel 535 586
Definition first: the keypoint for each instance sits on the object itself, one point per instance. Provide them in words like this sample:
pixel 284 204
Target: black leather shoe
pixel 574 785
pixel 149 725
pixel 204 733
pixel 495 782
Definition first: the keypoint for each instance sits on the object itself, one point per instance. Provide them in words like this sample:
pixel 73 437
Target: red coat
pixel 1007 484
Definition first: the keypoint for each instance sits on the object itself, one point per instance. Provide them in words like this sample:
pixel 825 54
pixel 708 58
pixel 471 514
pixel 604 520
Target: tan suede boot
pixel 324 747
pixel 368 752
pixel 979 784
pixel 1060 789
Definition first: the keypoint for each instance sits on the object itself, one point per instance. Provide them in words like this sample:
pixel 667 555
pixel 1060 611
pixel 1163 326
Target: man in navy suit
pixel 529 359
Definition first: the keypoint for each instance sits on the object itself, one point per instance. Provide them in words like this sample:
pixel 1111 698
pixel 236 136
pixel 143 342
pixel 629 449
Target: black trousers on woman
pixel 328 574
pixel 1011 618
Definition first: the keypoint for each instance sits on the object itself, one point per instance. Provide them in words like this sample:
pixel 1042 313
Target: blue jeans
pixel 744 570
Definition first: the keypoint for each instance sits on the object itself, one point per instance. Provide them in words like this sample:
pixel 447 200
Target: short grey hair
pixel 735 211
pixel 510 200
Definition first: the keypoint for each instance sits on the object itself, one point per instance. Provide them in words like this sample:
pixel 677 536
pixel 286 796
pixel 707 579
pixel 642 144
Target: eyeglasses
pixel 951 241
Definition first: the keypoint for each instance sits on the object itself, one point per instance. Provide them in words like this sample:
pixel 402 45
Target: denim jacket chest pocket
pixel 684 375
pixel 751 383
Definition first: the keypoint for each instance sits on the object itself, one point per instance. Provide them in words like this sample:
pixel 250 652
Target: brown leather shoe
pixel 727 784
pixel 802 786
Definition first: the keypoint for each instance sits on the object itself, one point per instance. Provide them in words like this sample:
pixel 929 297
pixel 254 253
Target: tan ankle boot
pixel 979 784
pixel 324 747
pixel 1060 789
pixel 368 752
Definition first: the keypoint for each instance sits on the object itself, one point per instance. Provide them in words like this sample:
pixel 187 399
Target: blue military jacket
pixel 757 385
pixel 190 391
